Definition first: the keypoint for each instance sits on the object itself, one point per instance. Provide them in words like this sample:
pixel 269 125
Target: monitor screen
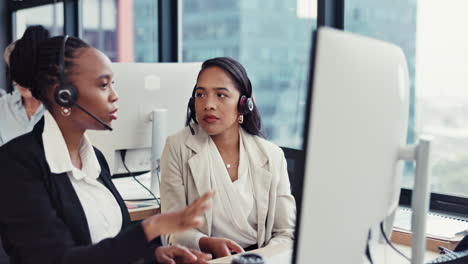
pixel 359 107
pixel 142 88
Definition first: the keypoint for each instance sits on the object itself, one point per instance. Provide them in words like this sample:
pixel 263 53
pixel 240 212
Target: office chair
pixel 4 259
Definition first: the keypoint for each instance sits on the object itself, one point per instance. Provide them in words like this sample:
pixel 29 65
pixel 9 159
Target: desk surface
pixel 277 254
pixel 143 212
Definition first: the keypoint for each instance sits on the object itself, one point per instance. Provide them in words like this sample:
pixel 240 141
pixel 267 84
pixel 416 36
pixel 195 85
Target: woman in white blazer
pixel 222 148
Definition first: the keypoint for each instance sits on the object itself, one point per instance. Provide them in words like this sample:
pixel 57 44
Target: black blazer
pixel 41 218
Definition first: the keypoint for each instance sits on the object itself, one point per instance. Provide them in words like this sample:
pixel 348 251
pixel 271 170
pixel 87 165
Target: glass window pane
pixel 126 31
pixel 431 34
pixel 49 16
pixel 272 39
pixel 441 91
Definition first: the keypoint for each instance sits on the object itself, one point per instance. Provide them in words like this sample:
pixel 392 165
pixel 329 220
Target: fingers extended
pixel 199 205
pixel 200 255
pixel 234 246
pixel 205 197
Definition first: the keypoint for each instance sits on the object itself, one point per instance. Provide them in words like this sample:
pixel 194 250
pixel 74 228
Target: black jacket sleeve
pixel 33 232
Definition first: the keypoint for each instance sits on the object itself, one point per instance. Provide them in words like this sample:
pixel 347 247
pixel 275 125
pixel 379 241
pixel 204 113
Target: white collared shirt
pixel 102 211
pixel 14 120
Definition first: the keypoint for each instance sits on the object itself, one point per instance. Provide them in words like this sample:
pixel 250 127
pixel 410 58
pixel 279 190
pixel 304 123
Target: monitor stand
pixel 159 131
pixel 420 153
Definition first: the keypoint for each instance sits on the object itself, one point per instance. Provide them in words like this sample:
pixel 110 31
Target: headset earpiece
pixel 190 112
pixel 245 105
pixel 65 94
pixel 191 105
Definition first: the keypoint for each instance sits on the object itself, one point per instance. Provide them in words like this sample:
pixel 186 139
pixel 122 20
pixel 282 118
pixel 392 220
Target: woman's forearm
pixel 150 228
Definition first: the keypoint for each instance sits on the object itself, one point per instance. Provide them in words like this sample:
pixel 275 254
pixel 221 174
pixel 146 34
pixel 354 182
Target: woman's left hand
pixel 180 254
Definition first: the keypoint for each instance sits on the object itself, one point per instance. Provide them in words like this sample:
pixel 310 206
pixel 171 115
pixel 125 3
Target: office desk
pixel 277 254
pixel 144 212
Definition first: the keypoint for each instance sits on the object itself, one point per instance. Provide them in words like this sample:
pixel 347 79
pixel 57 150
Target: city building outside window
pixel 126 31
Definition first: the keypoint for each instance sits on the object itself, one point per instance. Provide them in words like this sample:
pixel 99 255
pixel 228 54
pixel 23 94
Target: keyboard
pixel 452 257
pixel 438 225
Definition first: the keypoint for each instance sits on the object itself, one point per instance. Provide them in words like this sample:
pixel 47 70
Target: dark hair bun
pixel 23 57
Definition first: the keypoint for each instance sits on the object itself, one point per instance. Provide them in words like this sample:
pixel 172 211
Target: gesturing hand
pixel 219 247
pixel 179 254
pixel 179 220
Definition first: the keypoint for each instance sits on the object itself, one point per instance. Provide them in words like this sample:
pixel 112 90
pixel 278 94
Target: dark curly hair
pixel 34 63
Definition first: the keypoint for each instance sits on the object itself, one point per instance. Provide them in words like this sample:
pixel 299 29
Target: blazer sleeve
pixel 285 212
pixel 173 194
pixel 31 230
pixel 1 139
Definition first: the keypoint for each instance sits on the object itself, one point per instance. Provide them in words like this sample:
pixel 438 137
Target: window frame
pixel 6 31
pixel 15 5
pixel 71 9
pixel 447 204
pixel 168 23
pixel 169 30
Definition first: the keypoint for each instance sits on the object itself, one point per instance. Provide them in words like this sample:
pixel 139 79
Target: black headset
pixel 66 94
pixel 245 105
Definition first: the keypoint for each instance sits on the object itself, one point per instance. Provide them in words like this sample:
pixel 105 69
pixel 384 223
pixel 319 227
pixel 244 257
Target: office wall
pixel 4 38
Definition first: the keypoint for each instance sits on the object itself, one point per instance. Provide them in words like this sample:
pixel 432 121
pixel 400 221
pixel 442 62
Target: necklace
pixel 229 165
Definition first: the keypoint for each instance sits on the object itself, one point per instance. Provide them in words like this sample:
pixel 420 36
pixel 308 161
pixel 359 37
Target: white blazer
pixel 185 176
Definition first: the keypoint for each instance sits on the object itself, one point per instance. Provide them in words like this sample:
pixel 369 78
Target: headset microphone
pixel 66 94
pixel 94 117
pixel 67 98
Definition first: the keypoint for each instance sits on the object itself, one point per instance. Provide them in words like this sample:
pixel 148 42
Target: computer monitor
pixel 358 119
pixel 142 88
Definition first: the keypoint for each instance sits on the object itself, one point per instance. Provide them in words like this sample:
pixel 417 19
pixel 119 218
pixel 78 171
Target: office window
pixel 432 36
pixel 126 31
pixel 272 39
pixel 50 16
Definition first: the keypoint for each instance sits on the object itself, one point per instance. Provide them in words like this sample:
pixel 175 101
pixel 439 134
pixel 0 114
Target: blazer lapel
pixel 261 179
pixel 106 180
pixel 199 165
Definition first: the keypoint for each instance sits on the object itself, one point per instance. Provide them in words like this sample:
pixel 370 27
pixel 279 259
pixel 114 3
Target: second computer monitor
pixel 142 88
pixel 358 121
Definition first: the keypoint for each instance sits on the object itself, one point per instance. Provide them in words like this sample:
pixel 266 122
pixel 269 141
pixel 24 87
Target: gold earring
pixel 65 111
pixel 241 119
